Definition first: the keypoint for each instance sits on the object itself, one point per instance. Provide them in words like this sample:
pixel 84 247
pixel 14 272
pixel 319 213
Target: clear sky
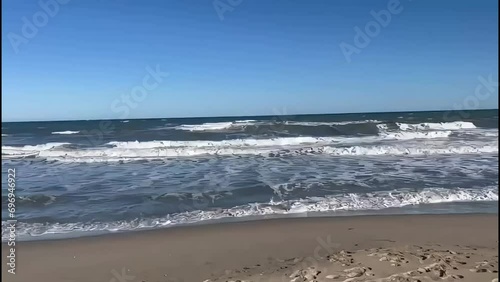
pixel 90 58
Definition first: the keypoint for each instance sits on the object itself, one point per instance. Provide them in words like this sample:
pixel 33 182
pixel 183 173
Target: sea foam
pixel 333 203
pixel 456 125
pixel 67 132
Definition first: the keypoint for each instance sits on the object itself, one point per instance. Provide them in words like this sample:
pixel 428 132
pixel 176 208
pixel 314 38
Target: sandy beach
pixel 363 248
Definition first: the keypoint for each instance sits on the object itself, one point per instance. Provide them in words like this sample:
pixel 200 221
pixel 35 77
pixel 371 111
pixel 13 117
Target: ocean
pixel 79 178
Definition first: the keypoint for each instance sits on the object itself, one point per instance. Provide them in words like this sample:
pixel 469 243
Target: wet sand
pixel 361 248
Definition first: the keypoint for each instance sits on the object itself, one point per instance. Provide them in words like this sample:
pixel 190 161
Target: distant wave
pixel 40 147
pixel 339 202
pixel 5 135
pixel 415 135
pixel 35 200
pixel 214 126
pixel 283 141
pixel 28 150
pixel 456 125
pixel 311 123
pixel 65 132
pixel 218 126
pixel 129 151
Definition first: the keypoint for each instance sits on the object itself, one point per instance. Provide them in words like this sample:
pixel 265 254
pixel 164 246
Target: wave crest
pixel 456 125
pixel 128 151
pixel 67 132
pixel 333 203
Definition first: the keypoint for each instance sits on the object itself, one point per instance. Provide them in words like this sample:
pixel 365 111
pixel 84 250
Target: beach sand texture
pixel 362 248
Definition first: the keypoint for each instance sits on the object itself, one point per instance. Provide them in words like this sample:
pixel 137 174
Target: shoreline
pixel 459 208
pixel 211 251
pixel 246 219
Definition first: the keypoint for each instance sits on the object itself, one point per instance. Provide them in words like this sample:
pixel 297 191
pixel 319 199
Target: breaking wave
pixel 367 145
pixel 214 126
pixel 333 203
pixel 117 154
pixel 456 125
pixel 217 126
pixel 67 132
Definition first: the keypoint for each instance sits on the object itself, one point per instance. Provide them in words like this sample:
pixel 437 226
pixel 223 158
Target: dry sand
pixel 363 248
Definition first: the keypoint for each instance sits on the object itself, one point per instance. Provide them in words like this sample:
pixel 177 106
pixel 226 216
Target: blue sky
pixel 264 57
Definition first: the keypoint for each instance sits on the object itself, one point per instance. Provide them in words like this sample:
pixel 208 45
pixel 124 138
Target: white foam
pixel 479 132
pixel 402 150
pixel 415 135
pixel 211 126
pixel 155 149
pixel 340 202
pixel 239 123
pixel 312 123
pixel 65 132
pixel 5 135
pixel 490 134
pixel 117 154
pixel 382 127
pixel 285 141
pixel 12 152
pixel 282 141
pixel 245 121
pixel 388 143
pixel 456 125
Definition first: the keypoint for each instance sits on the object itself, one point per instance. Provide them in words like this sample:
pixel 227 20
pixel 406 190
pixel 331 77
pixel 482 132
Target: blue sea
pixel 79 178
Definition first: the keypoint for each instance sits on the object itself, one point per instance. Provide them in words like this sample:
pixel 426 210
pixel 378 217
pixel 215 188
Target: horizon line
pixel 232 116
